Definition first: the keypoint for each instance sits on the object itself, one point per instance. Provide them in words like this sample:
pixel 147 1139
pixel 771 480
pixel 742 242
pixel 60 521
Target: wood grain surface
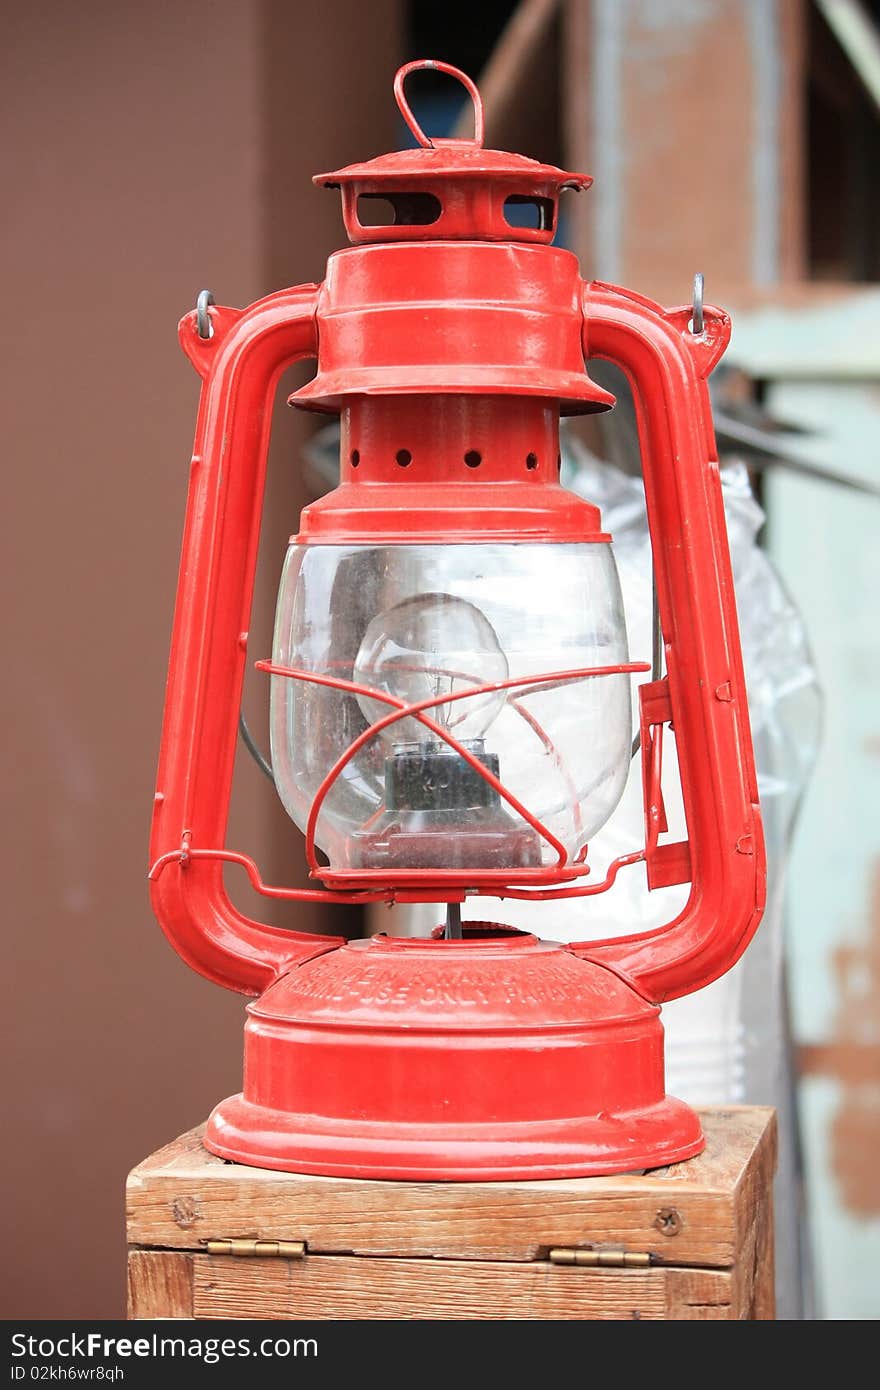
pixel 160 1284
pixel 460 1250
pixel 694 1213
pixel 345 1287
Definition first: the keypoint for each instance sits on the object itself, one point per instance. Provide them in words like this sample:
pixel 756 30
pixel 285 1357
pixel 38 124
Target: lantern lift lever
pixel 656 651
pixel 452 930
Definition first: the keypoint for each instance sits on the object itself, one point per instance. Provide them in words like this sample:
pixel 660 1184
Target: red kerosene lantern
pixel 440 729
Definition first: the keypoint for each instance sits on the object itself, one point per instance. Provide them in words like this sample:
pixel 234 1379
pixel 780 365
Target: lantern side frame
pixel 704 693
pixel 240 364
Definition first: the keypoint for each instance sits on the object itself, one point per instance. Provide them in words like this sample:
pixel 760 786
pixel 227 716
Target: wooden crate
pixel 694 1240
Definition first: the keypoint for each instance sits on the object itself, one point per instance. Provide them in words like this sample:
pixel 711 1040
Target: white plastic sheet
pixel 726 1043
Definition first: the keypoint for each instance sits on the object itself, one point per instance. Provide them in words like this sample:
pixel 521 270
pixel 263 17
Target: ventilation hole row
pixel 472 459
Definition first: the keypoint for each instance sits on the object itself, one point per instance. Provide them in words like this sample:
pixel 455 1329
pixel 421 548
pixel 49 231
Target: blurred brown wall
pixel 690 117
pixel 149 150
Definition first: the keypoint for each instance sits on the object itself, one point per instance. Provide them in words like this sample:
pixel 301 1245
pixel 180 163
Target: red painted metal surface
pixel 241 364
pixel 478 319
pixel 509 492
pixel 498 1055
pixel 469 187
pixel 667 366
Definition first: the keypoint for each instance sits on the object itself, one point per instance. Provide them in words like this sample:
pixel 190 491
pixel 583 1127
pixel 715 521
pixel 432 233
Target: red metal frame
pixel 469 182
pixel 668 366
pixel 704 691
pixel 240 365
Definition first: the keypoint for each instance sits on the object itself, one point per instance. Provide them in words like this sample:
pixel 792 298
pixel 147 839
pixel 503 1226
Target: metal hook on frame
pixel 203 318
pixel 697 322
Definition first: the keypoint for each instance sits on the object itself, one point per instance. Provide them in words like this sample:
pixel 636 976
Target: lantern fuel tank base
pixel 493 1057
pixel 668 1132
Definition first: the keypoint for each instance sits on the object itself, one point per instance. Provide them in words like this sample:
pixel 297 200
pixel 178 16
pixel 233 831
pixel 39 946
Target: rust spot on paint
pixel 852 1058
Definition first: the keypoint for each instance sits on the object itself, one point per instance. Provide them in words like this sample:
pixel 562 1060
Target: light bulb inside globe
pixel 430 645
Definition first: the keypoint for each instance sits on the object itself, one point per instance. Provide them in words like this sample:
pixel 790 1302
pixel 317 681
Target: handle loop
pixel 470 87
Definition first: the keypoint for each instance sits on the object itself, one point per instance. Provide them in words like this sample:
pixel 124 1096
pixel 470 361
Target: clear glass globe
pixel 429 645
pixel 452 616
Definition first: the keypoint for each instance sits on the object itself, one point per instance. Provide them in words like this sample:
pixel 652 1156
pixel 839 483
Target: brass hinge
pixel 605 1259
pixel 260 1249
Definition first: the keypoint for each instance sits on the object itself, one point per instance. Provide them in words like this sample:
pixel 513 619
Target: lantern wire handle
pixel 656 650
pixel 452 930
pixel 402 710
pixel 434 64
pixel 252 747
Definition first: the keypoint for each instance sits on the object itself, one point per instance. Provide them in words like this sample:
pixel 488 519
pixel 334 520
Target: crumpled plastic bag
pixel 727 1040
pixel 781 679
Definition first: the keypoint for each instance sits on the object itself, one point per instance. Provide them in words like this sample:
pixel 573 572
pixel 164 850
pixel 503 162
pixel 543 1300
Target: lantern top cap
pixel 442 156
pixel 453 159
pixel 429 171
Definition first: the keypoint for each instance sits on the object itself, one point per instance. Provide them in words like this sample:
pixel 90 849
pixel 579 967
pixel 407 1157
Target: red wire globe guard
pixel 499 1055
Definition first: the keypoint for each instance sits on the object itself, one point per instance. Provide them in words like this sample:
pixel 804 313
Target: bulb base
pixel 488 839
pixel 441 814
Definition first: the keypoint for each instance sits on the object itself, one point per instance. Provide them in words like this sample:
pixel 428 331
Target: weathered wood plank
pixel 344 1287
pixel 693 1213
pixel 698 1295
pixel 763 1306
pixel 754 1295
pixel 753 1206
pixel 160 1284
